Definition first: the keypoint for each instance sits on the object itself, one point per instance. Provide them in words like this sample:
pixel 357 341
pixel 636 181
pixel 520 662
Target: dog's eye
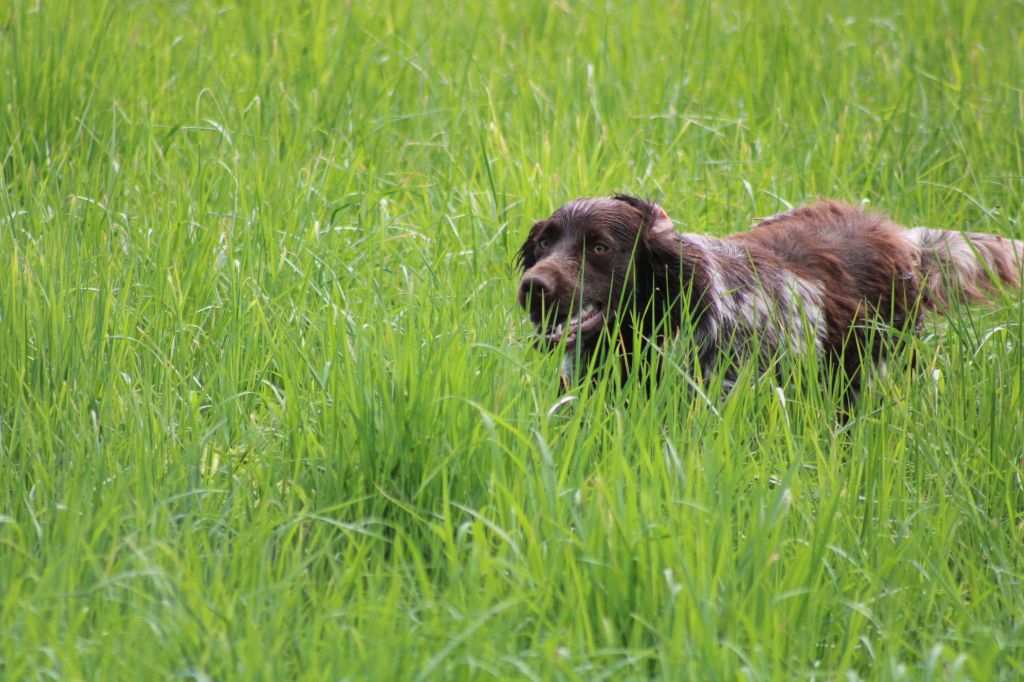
pixel 600 248
pixel 543 242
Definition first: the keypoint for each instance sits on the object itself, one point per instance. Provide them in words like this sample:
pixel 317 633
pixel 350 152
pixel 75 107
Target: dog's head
pixel 593 261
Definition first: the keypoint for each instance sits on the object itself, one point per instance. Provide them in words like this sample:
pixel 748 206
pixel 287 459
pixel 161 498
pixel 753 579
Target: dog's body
pixel 829 277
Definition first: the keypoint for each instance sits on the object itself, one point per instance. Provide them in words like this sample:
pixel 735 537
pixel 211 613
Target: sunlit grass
pixel 268 408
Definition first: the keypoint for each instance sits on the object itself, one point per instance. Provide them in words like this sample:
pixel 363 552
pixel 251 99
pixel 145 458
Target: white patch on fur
pixel 776 308
pixel 805 313
pixel 951 249
pixel 913 235
pixel 964 259
pixel 745 310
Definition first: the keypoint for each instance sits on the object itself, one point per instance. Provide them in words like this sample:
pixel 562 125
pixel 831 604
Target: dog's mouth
pixel 580 327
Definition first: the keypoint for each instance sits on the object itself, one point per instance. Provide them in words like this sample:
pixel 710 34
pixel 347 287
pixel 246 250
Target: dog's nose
pixel 534 289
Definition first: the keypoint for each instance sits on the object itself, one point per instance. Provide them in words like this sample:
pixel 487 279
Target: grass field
pixel 268 409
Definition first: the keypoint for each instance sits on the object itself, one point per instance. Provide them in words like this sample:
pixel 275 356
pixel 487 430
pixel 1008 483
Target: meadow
pixel 268 408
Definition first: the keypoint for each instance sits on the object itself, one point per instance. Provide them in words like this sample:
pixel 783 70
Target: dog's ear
pixel 661 224
pixel 653 218
pixel 676 273
pixel 658 242
pixel 644 207
pixel 526 256
pixel 659 253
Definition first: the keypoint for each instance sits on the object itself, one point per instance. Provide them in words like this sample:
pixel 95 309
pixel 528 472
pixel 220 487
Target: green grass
pixel 268 409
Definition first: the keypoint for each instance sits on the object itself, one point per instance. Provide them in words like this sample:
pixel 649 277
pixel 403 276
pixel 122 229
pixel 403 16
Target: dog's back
pixel 863 255
pixel 850 267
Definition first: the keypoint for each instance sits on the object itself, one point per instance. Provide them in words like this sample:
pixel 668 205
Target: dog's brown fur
pixel 828 277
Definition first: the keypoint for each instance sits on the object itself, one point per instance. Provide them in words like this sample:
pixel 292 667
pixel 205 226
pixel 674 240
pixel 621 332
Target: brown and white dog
pixel 829 277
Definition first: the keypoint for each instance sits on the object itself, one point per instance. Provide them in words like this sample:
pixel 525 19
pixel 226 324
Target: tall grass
pixel 268 409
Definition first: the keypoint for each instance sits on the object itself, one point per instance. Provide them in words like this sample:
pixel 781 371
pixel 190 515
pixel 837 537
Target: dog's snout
pixel 534 290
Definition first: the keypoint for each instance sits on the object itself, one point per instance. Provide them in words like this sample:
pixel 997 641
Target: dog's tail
pixel 964 266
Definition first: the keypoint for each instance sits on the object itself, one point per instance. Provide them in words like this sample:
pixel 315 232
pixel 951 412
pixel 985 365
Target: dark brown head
pixel 592 261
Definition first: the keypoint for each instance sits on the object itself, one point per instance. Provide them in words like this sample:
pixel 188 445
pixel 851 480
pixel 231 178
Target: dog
pixel 828 278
